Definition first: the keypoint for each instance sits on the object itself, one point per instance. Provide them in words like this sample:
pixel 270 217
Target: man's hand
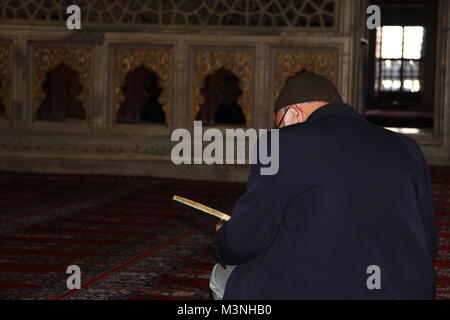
pixel 219 225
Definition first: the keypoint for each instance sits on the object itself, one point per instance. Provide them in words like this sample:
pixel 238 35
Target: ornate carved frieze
pixel 157 60
pixel 5 77
pixel 239 62
pixel 242 13
pixel 288 63
pixel 47 58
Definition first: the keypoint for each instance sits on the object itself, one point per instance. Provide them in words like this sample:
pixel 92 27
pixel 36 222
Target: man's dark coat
pixel 349 197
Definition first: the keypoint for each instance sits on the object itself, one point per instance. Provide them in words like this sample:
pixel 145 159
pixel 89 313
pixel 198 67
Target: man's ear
pixel 293 116
pixel 289 118
pixel 297 114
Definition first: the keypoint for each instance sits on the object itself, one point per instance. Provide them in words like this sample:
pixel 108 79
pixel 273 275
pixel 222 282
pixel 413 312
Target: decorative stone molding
pixel 68 145
pixel 239 62
pixel 158 60
pixel 47 58
pixel 288 63
pixel 95 38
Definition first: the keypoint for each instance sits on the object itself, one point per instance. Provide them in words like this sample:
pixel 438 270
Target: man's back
pixel 349 196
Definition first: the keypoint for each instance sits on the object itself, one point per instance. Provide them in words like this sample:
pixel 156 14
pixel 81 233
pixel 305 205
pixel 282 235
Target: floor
pixel 130 240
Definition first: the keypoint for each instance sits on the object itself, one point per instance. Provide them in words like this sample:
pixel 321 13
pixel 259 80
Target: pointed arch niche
pixel 141 103
pixel 221 94
pixel 62 90
pixel 142 77
pixel 238 63
pixel 52 63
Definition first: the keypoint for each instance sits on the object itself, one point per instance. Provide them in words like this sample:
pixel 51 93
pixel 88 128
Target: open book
pixel 203 208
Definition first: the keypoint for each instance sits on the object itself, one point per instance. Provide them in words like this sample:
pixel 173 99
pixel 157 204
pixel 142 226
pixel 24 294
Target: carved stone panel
pixel 239 62
pixel 287 63
pixel 5 77
pixel 157 60
pixel 47 58
pixel 241 13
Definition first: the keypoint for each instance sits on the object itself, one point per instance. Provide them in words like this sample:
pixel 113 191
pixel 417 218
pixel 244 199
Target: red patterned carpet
pixel 129 238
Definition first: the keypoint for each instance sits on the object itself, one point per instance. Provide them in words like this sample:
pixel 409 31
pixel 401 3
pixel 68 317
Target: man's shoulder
pixel 309 134
pixel 413 148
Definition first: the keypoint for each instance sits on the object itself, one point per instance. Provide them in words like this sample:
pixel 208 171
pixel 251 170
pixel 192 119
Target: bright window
pixel 399 58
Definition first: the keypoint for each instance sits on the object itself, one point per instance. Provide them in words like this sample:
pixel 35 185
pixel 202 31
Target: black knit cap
pixel 307 86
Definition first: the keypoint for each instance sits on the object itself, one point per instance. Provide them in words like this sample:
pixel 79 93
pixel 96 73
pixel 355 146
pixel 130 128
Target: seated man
pixel 349 215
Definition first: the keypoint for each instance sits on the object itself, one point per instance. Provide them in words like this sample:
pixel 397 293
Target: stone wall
pixel 263 42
